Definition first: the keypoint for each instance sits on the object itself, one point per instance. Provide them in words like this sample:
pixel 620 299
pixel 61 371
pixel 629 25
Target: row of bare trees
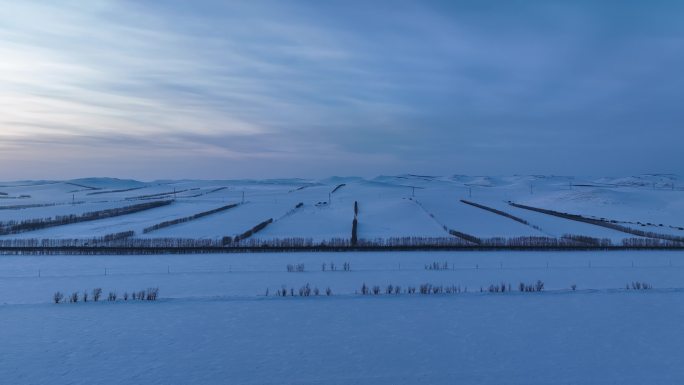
pixel 150 294
pixel 124 240
pixel 14 227
pixel 603 223
pixel 161 195
pixel 355 225
pixel 496 211
pixel 188 218
pixel 247 234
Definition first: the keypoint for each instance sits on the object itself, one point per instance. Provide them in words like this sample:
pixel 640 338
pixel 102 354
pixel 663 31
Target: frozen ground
pixel 213 323
pixel 580 338
pixel 33 279
pixel 390 206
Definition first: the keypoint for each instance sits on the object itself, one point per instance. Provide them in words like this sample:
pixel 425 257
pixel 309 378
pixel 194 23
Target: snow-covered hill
pixel 389 206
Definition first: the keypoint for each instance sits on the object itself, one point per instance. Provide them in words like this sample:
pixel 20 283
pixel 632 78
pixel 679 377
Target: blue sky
pixel 218 89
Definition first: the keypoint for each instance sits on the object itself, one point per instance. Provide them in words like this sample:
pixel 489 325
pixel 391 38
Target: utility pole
pixel 413 191
pixel 329 198
pixel 174 193
pixel 243 196
pixel 470 192
pixel 531 188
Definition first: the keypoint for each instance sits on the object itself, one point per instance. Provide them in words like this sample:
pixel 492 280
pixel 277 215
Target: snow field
pixel 570 338
pixel 387 206
pixel 214 324
pixel 249 275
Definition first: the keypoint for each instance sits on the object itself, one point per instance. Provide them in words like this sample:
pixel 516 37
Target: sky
pixel 262 89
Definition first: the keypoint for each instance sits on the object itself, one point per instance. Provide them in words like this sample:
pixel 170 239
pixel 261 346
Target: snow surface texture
pixel 214 324
pixel 389 206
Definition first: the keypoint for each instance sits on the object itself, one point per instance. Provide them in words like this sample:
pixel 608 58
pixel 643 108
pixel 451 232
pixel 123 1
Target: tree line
pixel 160 195
pixel 125 240
pixel 14 227
pixel 603 223
pixel 355 225
pixel 238 238
pixel 187 219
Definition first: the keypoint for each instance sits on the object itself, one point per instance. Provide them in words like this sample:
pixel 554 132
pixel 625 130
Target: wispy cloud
pixel 300 88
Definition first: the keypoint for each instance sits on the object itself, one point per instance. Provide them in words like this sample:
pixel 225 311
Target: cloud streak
pixel 147 90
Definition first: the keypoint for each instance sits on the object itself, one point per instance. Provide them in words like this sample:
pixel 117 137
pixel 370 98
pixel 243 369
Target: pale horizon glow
pixel 212 89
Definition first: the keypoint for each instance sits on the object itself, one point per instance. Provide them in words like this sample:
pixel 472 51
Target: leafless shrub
pixel 58 297
pixel 305 291
pixel 151 294
pixel 533 287
pixel 437 266
pixel 636 285
pixel 296 268
pixel 346 266
pixel 97 292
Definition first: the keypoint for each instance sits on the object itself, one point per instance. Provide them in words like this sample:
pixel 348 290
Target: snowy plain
pixel 214 323
pixel 389 206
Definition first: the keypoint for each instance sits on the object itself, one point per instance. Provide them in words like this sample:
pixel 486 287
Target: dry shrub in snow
pixel 636 285
pixel 532 287
pixel 97 293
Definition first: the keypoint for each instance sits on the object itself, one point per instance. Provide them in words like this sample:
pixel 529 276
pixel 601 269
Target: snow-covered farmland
pixel 214 324
pixel 218 318
pixel 389 206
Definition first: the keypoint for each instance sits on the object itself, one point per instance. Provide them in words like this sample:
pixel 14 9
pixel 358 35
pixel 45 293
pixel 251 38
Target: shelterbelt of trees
pixel 124 243
pixel 14 227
